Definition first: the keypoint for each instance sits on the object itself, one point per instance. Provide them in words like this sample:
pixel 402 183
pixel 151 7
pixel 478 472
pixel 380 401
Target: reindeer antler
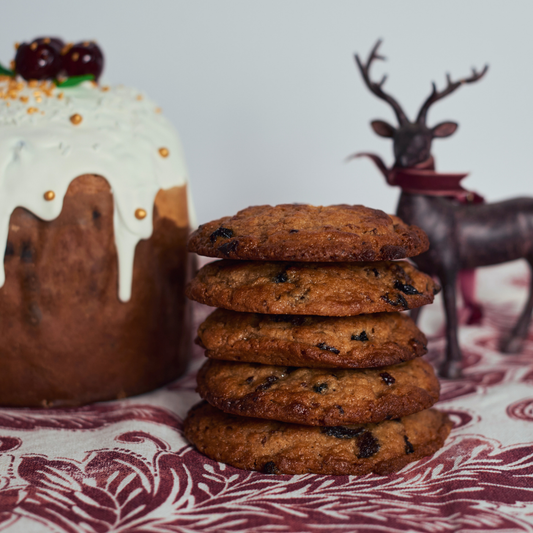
pixel 377 88
pixel 452 86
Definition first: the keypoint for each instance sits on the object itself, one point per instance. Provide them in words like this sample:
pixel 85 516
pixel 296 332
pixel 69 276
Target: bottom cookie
pixel 280 448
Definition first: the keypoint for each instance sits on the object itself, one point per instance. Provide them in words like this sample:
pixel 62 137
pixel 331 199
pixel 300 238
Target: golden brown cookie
pixel 327 289
pixel 281 448
pixel 293 232
pixel 319 396
pixel 360 341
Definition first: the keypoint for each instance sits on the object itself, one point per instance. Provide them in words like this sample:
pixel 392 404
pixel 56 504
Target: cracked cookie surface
pixel 293 232
pixel 326 289
pixel 318 396
pixel 281 448
pixel 359 341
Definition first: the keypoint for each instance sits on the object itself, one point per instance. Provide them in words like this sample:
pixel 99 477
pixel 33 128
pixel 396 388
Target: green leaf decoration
pixel 73 81
pixel 6 72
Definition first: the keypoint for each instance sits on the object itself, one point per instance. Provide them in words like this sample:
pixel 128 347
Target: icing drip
pixel 120 135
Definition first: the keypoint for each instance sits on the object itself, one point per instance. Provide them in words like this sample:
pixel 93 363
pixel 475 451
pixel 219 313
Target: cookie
pixel 293 232
pixel 281 448
pixel 319 396
pixel 327 289
pixel 360 341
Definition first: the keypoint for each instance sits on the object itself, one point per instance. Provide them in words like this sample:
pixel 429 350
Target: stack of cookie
pixel 311 367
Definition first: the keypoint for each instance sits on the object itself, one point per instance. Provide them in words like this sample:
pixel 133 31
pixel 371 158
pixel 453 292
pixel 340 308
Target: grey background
pixel 268 102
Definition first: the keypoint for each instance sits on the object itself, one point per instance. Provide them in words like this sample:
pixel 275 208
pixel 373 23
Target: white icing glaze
pixel 118 138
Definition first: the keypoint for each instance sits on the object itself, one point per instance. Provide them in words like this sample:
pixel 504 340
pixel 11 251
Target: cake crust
pixel 294 232
pixel 67 339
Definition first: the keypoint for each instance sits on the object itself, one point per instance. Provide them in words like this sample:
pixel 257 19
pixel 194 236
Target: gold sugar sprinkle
pixel 17 46
pixel 60 96
pixel 139 97
pixel 33 46
pixel 46 40
pixel 12 64
pixel 32 83
pixel 140 213
pixel 105 88
pixel 75 56
pixel 66 48
pixel 76 119
pixel 49 195
pixel 164 152
pixel 24 99
pixel 158 110
pixel 32 110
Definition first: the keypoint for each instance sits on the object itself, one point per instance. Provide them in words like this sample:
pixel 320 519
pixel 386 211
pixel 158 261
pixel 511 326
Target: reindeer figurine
pixel 464 232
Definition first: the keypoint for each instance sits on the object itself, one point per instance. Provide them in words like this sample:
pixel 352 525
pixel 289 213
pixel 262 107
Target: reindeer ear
pixel 444 129
pixel 382 128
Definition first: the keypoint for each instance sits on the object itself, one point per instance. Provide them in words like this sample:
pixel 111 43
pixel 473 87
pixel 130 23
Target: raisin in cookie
pixel 327 289
pixel 319 396
pixel 359 341
pixel 306 233
pixel 280 448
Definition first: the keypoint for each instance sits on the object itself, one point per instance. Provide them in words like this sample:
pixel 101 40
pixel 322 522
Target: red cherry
pixel 54 41
pixel 84 58
pixel 38 61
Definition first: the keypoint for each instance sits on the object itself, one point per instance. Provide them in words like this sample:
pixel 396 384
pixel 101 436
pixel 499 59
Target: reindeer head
pixel 412 140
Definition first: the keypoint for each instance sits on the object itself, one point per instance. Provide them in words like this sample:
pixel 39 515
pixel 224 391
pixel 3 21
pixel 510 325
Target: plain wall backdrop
pixel 268 101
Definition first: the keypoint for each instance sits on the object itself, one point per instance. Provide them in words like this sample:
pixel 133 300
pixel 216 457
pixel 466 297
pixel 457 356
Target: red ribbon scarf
pixel 423 179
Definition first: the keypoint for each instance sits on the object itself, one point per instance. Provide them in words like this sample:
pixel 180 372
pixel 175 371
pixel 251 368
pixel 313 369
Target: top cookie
pixel 292 232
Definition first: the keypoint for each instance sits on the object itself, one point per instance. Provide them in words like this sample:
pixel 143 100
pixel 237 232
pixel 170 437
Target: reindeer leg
pixel 451 367
pixel 512 342
pixel 467 283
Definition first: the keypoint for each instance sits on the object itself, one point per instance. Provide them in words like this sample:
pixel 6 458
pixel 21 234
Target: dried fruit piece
pixel 320 388
pixel 228 247
pixel 405 288
pixel 342 432
pixel 363 337
pixel 408 446
pixel 324 346
pixel 267 383
pixel 387 378
pixel 270 468
pixel 368 445
pixel 281 278
pixel 400 300
pixel 225 233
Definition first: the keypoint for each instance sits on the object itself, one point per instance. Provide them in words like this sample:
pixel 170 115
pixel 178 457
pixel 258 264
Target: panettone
pixel 94 215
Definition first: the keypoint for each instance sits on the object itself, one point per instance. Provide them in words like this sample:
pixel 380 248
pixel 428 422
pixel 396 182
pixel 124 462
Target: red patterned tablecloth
pixel 125 466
